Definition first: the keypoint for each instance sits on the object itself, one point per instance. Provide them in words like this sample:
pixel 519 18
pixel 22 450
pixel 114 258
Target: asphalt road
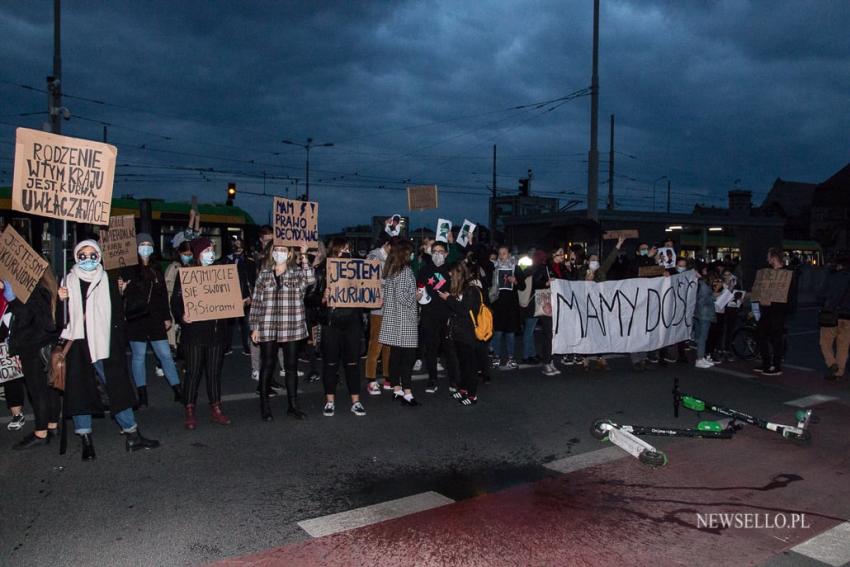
pixel 221 492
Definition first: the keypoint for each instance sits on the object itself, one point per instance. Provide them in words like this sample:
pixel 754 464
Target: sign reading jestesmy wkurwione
pixel 296 223
pixel 211 292
pixel 19 263
pixel 62 177
pixel 354 283
pixel 10 366
pixel 118 243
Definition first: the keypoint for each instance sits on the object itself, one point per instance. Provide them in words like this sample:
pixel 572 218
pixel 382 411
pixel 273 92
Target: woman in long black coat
pixel 96 328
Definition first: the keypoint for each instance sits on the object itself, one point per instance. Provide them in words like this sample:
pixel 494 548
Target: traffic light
pixel 231 193
pixel 523 186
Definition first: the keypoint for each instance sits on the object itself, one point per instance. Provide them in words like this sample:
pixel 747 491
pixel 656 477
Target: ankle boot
pixel 134 441
pixel 178 393
pixel 88 447
pixel 217 416
pixel 189 417
pixel 294 410
pixel 265 410
pixel 142 392
pixel 264 392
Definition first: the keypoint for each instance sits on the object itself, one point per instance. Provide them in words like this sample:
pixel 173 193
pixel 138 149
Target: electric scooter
pixel 799 433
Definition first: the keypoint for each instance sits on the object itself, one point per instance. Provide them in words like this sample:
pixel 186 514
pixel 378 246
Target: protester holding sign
pixel 400 320
pixel 203 343
pixel 771 326
pixel 96 330
pixel 33 328
pixel 376 350
pixel 342 329
pixel 507 316
pixel 148 318
pixel 464 301
pixel 278 320
pixel 596 272
pixel 184 260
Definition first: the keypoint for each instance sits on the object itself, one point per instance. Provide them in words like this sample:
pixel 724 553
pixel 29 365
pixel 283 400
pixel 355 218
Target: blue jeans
pixel 701 327
pixel 162 352
pixel 497 343
pixel 528 347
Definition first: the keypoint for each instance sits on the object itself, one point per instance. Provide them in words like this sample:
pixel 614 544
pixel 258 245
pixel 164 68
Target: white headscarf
pixel 98 316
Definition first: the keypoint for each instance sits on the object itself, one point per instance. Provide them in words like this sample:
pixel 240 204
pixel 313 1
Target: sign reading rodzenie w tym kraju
pixel 296 223
pixel 63 178
pixel 354 283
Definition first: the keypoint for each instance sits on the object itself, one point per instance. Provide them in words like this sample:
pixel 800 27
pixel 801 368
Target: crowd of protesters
pixel 448 310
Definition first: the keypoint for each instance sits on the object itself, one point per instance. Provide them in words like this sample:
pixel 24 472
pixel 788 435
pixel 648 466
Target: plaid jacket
pixel 400 322
pixel 277 308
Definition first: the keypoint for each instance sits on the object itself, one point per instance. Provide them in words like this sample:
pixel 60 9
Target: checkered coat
pixel 400 322
pixel 277 307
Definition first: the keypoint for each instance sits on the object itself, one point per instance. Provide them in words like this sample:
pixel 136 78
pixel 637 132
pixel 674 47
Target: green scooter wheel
pixel 653 459
pixel 597 431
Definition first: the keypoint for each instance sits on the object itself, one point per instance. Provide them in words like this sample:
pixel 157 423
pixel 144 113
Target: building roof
pixel 789 198
pixel 835 191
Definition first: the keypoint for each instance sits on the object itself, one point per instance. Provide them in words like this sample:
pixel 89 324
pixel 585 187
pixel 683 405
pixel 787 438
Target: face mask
pixel 439 259
pixel 88 265
pixel 644 252
pixel 681 269
pixel 186 259
pixel 207 258
pixel 280 256
pixel 145 250
pixel 593 265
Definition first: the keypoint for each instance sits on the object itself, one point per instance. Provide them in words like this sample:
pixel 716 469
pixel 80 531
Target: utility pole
pixel 104 133
pixel 611 169
pixel 593 154
pixel 58 229
pixel 668 196
pixel 493 198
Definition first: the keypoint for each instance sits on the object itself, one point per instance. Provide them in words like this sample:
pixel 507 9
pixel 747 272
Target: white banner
pixel 634 315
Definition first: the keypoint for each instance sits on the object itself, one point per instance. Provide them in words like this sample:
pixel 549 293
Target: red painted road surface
pixel 620 513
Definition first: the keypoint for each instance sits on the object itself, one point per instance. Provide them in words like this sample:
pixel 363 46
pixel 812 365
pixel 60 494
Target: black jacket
pixel 461 324
pixel 435 280
pixel 835 293
pixel 147 286
pixel 32 326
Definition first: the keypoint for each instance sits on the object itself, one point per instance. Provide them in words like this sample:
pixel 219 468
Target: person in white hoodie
pixel 376 350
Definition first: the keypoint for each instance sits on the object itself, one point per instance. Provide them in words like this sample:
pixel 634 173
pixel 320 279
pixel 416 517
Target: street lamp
pixel 309 145
pixel 653 190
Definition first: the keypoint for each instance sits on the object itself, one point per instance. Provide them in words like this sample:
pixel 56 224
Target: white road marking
pixel 803 368
pixel 810 401
pixel 831 547
pixel 239 397
pixel 730 372
pixel 584 460
pixel 359 517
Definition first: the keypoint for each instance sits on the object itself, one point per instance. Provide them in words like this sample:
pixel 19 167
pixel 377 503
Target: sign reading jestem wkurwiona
pixel 354 283
pixel 118 243
pixel 19 263
pixel 211 292
pixel 63 178
pixel 296 223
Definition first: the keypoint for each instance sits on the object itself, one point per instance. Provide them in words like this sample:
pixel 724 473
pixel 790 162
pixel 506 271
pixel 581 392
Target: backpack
pixel 484 322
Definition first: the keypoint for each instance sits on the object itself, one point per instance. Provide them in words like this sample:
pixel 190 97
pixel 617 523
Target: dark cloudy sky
pixel 704 92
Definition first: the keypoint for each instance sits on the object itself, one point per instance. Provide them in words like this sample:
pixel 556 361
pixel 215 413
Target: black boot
pixel 178 394
pixel 263 391
pixel 292 394
pixel 88 447
pixel 142 392
pixel 134 441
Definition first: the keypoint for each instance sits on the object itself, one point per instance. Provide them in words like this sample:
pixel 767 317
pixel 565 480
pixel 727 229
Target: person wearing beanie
pixel 96 330
pixel 148 316
pixel 184 259
pixel 203 344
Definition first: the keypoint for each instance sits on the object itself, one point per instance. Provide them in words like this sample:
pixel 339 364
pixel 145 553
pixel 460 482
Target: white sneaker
pixel 17 422
pixel 358 409
pixel 374 389
pixel 328 410
pixel 703 363
pixel 440 367
pixel 282 373
pixel 159 372
pixel 417 366
pixel 550 370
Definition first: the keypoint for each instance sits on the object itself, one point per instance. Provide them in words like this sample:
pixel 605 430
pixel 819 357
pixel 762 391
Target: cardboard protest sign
pixel 504 279
pixel 63 178
pixel 722 300
pixel 771 286
pixel 444 227
pixel 422 197
pixel 666 257
pixel 651 271
pixel 616 234
pixel 542 303
pixel 19 263
pixel 211 292
pixel 118 243
pixel 296 223
pixel 10 366
pixel 465 233
pixel 354 283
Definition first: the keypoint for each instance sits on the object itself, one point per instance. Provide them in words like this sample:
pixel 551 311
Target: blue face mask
pixel 88 265
pixel 207 258
pixel 145 250
pixel 186 259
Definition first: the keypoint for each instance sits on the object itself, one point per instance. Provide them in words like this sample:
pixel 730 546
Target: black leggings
pixel 203 360
pixel 435 342
pixel 268 364
pixel 15 392
pixel 341 341
pixel 468 367
pixel 44 399
pixel 401 366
